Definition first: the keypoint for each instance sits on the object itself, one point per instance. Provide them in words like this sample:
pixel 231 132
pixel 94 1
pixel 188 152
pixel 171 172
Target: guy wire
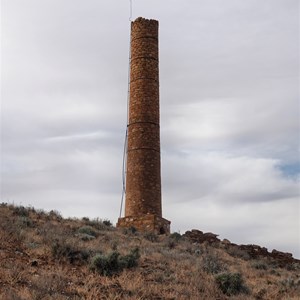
pixel 124 163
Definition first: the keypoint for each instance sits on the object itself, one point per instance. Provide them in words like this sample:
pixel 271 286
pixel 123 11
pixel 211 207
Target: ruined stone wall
pixel 143 176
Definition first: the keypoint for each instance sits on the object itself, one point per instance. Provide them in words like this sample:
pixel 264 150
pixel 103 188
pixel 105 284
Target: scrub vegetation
pixel 44 256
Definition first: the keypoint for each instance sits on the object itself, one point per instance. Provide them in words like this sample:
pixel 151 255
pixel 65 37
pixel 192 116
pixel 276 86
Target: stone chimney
pixel 143 208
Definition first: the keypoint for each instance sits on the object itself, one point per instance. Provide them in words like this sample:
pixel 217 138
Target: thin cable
pixel 123 173
pixel 124 163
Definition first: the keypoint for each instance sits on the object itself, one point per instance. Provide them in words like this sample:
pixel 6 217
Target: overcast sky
pixel 229 92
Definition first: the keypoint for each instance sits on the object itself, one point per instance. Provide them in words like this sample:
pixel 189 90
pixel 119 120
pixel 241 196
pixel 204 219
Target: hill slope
pixel 43 256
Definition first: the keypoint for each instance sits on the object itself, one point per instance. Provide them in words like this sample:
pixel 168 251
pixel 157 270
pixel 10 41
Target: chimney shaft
pixel 143 180
pixel 143 176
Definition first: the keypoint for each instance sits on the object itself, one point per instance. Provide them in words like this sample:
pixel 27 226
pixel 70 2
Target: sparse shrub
pixel 274 264
pixel 14 227
pixel 171 243
pixel 173 240
pixel 40 213
pixel 63 250
pixel 130 230
pixel 20 211
pixel 107 223
pixel 261 294
pixel 259 265
pixel 211 264
pixel 32 245
pixel 87 230
pixel 151 236
pixel 49 286
pixel 106 265
pixel 11 295
pixel 275 272
pixel 231 283
pixel 131 260
pixel 24 222
pixel 114 263
pixel 97 224
pixel 60 249
pixel 296 266
pixel 198 252
pixel 51 232
pixel 188 248
pixel 293 266
pixel 114 245
pixel 175 236
pixel 55 215
pixel 85 237
pixel 31 209
pixel 290 282
pixel 236 252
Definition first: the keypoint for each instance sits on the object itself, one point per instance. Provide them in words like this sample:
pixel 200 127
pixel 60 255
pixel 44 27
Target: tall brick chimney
pixel 143 209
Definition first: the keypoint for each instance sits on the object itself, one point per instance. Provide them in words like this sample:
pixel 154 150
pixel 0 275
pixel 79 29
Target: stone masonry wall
pixel 143 177
pixel 147 223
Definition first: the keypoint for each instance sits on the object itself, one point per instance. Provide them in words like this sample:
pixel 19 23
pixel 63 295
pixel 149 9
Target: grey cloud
pixel 229 74
pixel 225 180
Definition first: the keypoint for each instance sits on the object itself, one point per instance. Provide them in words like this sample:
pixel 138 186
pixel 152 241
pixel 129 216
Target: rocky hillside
pixel 43 256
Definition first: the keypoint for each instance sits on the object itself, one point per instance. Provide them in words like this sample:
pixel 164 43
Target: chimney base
pixel 146 223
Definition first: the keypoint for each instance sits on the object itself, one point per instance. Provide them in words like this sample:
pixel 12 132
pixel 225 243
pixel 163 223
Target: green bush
pixel 86 237
pixel 106 265
pixel 231 283
pixel 131 260
pixel 114 263
pixel 87 230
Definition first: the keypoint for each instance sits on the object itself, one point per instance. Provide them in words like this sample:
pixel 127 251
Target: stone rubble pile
pixel 283 259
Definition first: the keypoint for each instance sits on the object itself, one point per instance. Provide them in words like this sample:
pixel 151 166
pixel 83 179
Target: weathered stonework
pixel 146 223
pixel 282 259
pixel 143 208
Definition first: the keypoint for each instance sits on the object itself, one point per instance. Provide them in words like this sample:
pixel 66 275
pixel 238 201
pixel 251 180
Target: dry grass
pixel 43 256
